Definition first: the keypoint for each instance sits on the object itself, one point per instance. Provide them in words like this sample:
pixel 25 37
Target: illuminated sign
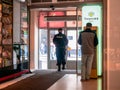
pixel 93 14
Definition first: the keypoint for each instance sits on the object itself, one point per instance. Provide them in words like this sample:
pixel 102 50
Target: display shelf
pixel 7 55
pixel 14 57
pixel 24 47
pixel 24 24
pixel 6 23
pixel 1 61
pixel 7 1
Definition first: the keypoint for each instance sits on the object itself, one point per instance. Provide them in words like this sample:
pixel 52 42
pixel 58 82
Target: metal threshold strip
pixel 62 18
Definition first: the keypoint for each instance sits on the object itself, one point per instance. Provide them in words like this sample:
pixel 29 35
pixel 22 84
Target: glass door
pixel 71 54
pixel 52 46
pixel 43 49
pixel 71 49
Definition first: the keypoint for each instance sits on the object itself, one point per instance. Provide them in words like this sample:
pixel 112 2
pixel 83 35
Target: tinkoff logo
pixel 91 14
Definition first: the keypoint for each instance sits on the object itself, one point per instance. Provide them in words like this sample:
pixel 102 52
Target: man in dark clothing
pixel 60 40
pixel 88 41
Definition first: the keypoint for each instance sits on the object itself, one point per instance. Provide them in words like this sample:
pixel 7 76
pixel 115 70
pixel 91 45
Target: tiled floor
pixel 72 82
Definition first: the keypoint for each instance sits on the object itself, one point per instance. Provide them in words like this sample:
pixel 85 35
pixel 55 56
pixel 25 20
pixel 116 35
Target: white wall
pixel 34 39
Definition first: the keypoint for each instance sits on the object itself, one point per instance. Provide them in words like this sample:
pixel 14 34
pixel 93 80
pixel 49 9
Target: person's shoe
pixel 63 67
pixel 59 68
pixel 87 78
pixel 82 80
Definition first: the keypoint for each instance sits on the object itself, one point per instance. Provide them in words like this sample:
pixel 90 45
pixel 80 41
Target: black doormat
pixel 42 80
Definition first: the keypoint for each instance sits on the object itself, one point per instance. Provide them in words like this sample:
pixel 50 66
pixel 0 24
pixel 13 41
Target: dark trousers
pixel 60 54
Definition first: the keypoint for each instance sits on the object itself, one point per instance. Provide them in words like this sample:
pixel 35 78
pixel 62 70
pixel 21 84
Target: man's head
pixel 89 25
pixel 60 30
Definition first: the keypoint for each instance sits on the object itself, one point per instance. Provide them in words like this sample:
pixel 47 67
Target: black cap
pixel 89 24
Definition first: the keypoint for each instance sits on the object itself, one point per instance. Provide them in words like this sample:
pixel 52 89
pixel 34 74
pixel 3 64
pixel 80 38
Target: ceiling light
pixel 22 0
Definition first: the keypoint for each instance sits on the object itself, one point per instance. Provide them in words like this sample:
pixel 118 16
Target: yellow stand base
pixel 93 74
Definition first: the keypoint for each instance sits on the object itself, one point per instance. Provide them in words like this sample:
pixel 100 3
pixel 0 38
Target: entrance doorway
pixel 49 22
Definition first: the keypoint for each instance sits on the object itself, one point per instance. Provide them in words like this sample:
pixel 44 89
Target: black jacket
pixel 60 40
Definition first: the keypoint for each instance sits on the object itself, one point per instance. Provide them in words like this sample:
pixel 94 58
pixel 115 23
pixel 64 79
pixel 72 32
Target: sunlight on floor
pixel 72 82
